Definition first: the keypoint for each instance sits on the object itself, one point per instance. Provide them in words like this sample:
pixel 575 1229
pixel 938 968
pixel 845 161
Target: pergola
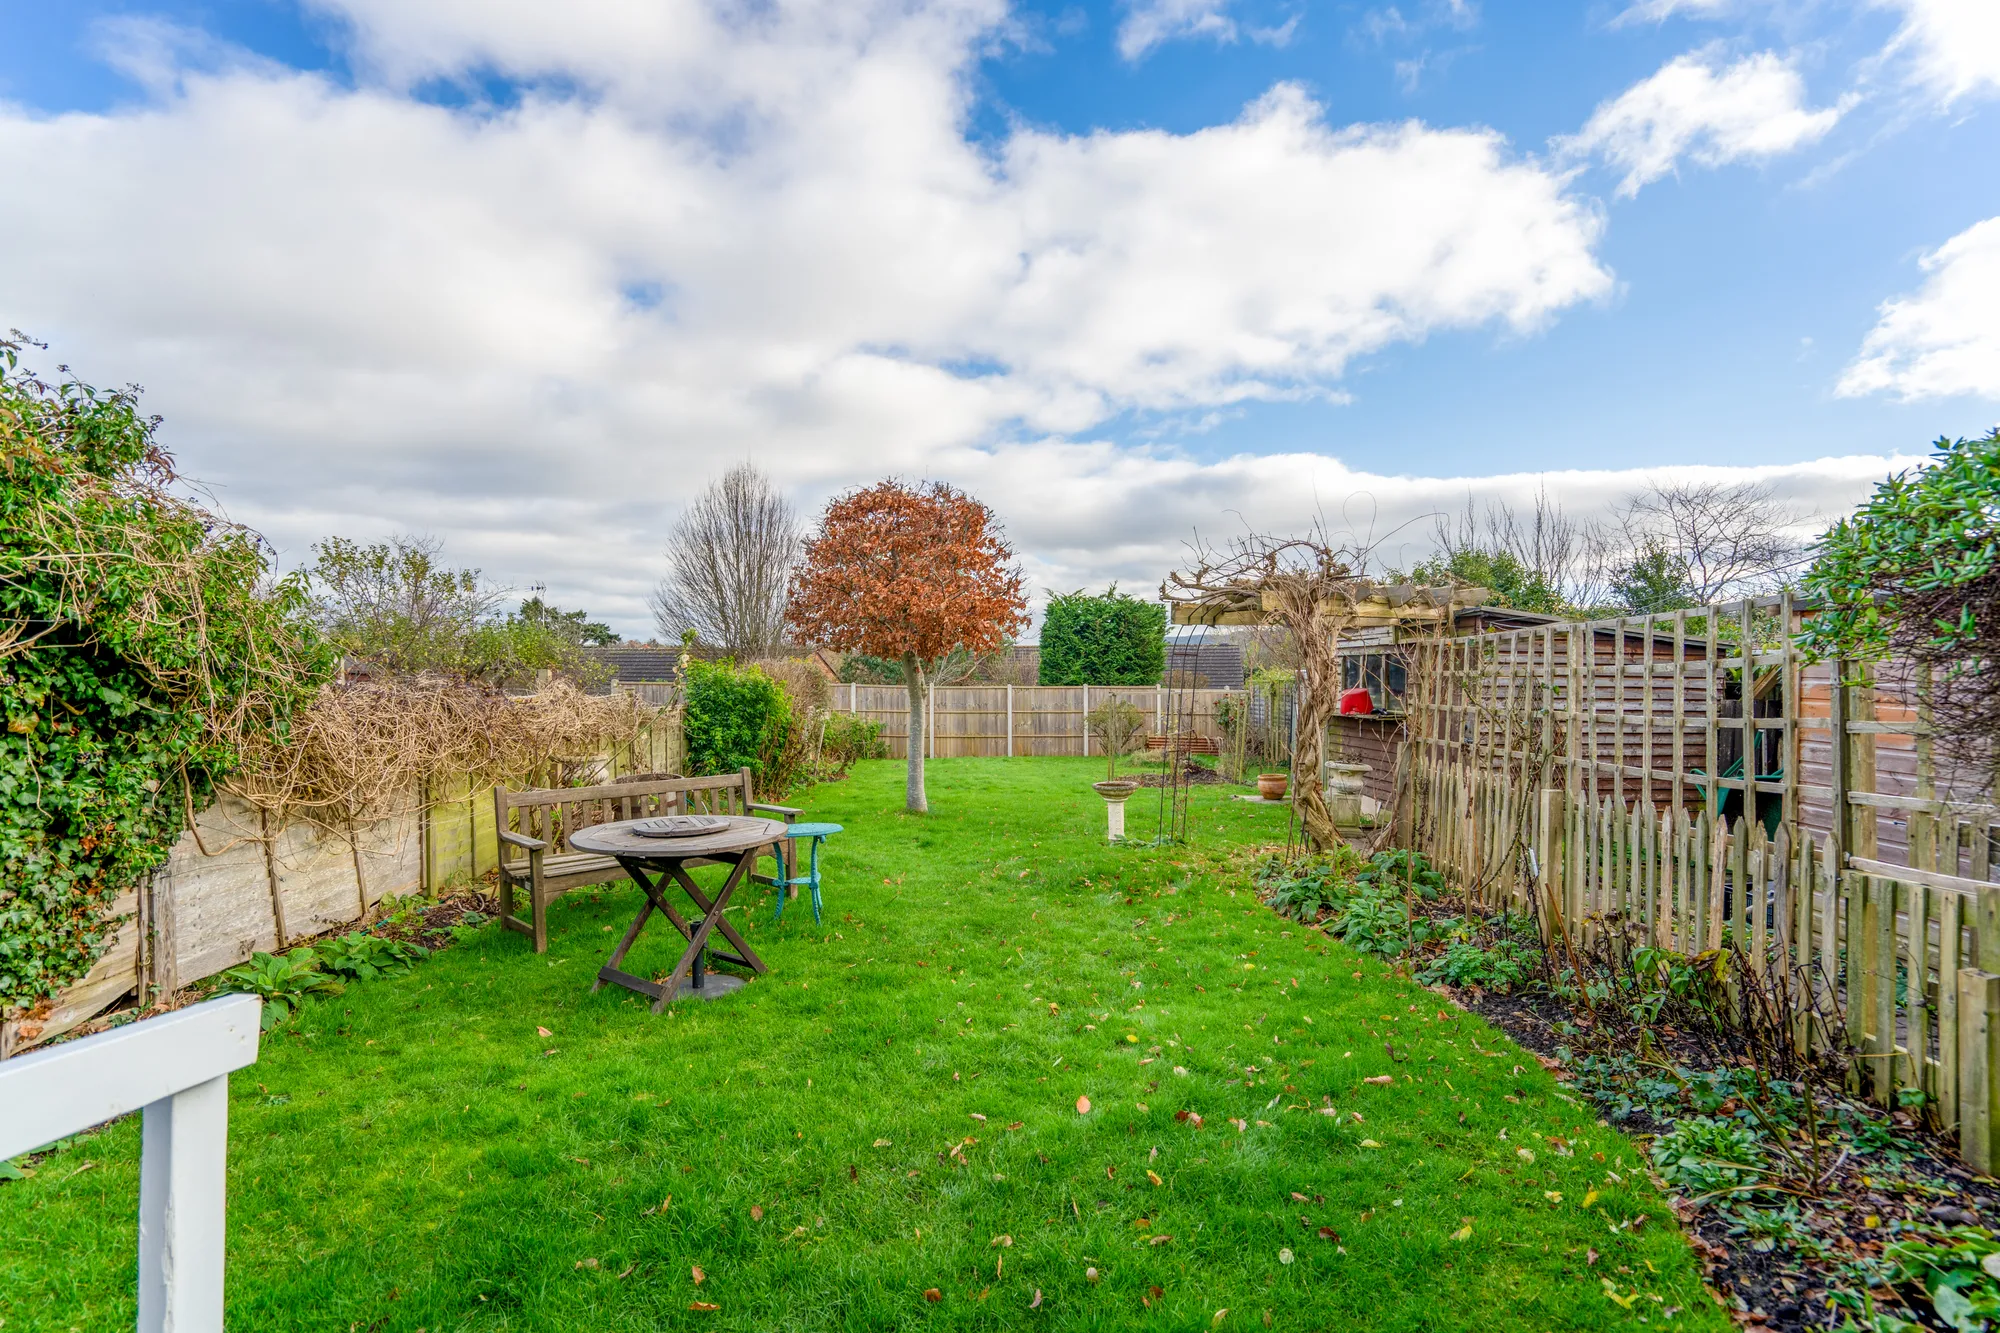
pixel 1317 599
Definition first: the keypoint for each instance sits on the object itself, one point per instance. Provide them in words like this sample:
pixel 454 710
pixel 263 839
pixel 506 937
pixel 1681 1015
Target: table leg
pixel 711 918
pixel 655 900
pixel 749 956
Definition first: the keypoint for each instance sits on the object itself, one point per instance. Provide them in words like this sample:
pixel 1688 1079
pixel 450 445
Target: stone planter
pixel 1345 787
pixel 1272 786
pixel 1115 791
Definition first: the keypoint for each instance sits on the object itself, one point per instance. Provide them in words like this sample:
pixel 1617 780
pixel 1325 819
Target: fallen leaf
pixel 1220 1315
pixel 699 1276
pixel 1180 1072
pixel 1463 1233
pixel 1000 1240
pixel 976 1116
pixel 543 1032
pixel 1158 1240
pixel 1285 1256
pixel 1154 1176
pixel 883 1143
pixel 586 1263
pixel 1110 1173
pixel 1036 1303
pixel 1328 1233
pixel 1016 1125
pixel 627 1273
pixel 1090 1275
pixel 705 1307
pixel 756 1212
pixel 933 1295
pixel 1525 1154
pixel 1589 1257
pixel 1379 1078
pixel 1370 1143
pixel 1083 1106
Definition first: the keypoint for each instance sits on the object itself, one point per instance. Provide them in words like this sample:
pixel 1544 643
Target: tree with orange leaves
pixel 912 574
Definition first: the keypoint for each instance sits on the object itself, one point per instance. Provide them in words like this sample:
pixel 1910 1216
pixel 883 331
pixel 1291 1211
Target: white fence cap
pixel 47 1095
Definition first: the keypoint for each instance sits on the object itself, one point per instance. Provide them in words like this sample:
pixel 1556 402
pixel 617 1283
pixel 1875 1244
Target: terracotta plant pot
pixel 1271 786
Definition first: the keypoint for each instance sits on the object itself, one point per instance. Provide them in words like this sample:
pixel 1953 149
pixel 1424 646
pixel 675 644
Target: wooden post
pixel 1747 723
pixel 1978 1036
pixel 176 1068
pixel 1086 722
pixel 271 876
pixel 1010 721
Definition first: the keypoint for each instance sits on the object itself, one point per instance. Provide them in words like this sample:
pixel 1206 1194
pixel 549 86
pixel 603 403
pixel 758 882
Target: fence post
pixel 1010 721
pixel 1086 722
pixel 1978 1034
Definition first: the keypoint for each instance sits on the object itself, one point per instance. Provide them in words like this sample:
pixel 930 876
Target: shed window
pixel 1383 675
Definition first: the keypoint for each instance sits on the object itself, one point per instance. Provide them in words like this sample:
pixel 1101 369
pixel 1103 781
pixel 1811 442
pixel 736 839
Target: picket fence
pixel 1900 966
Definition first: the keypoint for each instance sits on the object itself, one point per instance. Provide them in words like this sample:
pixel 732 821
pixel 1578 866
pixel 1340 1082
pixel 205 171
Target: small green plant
pixel 1501 965
pixel 364 957
pixel 283 980
pixel 848 740
pixel 1305 888
pixel 1706 1156
pixel 1405 868
pixel 1959 1269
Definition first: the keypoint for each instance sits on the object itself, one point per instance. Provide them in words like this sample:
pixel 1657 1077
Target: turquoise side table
pixel 817 834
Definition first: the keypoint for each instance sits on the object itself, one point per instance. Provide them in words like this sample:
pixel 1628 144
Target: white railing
pixel 176 1067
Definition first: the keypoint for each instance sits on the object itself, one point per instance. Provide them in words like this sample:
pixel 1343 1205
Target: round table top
pixel 618 839
pixel 810 830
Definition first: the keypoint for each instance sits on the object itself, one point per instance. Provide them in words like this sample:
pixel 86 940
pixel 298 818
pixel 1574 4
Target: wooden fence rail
pixel 1004 720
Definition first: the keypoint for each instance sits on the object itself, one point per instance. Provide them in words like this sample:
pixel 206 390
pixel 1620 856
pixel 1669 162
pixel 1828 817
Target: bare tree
pixel 1731 540
pixel 1571 557
pixel 728 559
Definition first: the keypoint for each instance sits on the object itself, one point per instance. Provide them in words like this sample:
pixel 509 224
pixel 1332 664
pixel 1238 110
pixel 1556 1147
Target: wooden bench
pixel 533 830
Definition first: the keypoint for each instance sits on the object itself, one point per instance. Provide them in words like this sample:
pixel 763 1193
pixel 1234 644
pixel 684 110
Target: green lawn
pixel 894 1109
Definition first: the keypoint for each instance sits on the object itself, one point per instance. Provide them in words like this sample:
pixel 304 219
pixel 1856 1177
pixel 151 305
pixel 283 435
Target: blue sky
pixel 1132 356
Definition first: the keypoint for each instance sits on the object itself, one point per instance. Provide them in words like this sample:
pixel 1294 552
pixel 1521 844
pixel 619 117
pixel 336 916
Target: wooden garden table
pixel 652 862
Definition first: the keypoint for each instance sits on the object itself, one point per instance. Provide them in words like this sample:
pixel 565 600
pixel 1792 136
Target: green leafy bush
pixel 1110 639
pixel 848 740
pixel 733 717
pixel 1916 570
pixel 147 645
pixel 364 957
pixel 1303 888
pixel 283 980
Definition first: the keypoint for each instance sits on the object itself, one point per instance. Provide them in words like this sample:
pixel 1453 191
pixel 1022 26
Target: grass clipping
pixel 368 750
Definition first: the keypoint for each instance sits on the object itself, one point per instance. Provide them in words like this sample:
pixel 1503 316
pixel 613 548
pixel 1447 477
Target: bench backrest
pixel 552 814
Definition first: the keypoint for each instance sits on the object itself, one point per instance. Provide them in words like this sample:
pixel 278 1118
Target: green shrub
pixel 848 740
pixel 733 717
pixel 1110 639
pixel 1958 1268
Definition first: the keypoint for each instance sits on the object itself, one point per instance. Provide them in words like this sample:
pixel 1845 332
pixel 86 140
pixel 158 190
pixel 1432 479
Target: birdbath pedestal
pixel 1115 792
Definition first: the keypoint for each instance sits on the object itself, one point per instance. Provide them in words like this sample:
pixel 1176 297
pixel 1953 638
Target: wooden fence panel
pixel 968 721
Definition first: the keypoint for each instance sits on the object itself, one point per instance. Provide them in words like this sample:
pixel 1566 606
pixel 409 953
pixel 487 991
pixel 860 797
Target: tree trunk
pixel 913 792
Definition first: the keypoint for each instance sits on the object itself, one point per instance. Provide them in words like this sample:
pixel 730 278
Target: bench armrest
pixel 790 812
pixel 523 840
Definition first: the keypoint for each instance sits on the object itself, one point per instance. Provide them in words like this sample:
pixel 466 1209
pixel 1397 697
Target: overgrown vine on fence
pixel 143 646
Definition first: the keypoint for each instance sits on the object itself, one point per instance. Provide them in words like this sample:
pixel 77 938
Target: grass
pixel 894 1110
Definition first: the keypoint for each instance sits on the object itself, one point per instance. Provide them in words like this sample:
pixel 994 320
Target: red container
pixel 1356 700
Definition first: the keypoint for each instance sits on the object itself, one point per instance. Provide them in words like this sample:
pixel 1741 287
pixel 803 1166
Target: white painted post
pixel 177 1068
pixel 1010 721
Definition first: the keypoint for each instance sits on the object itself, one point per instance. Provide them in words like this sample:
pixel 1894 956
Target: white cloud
pixel 1754 108
pixel 1150 23
pixel 1944 340
pixel 1658 11
pixel 1953 46
pixel 537 330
